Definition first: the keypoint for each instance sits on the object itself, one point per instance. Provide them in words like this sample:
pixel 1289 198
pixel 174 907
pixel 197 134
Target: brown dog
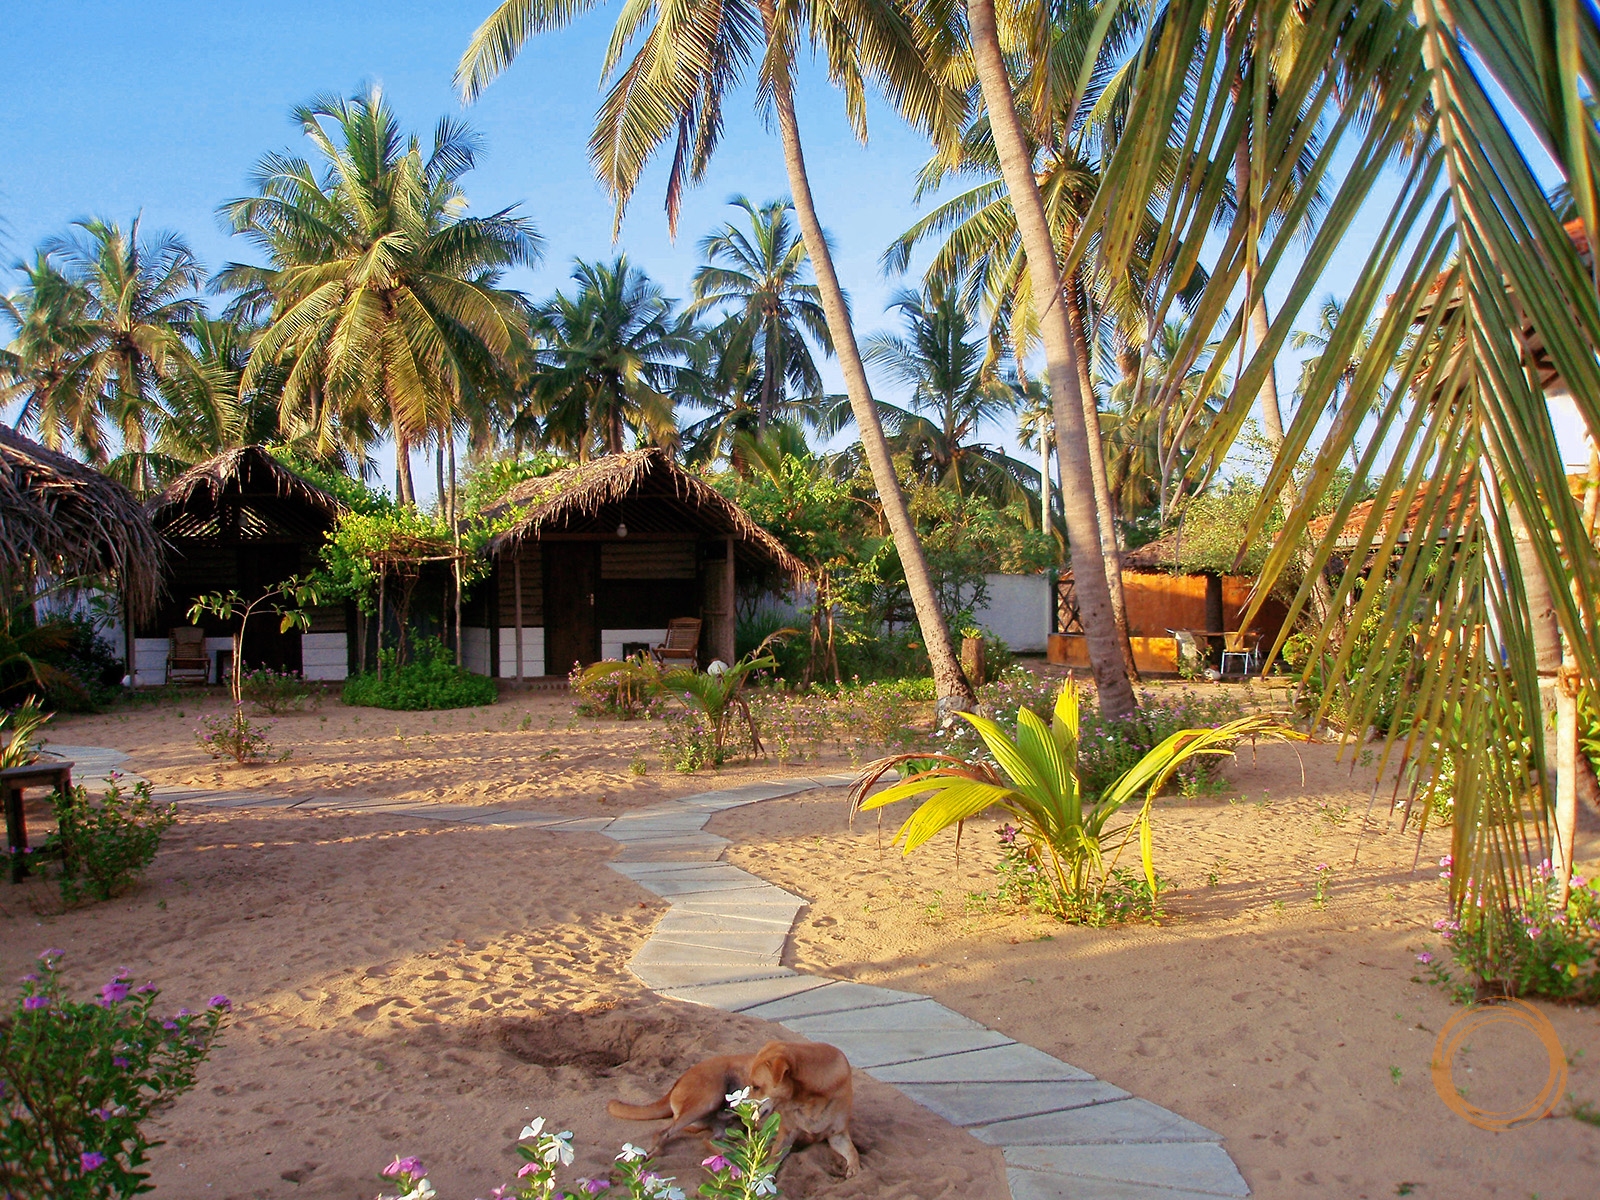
pixel 807 1082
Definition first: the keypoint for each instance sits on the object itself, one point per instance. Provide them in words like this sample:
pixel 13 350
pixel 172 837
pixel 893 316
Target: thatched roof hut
pixel 600 559
pixel 249 486
pixel 645 491
pixel 60 517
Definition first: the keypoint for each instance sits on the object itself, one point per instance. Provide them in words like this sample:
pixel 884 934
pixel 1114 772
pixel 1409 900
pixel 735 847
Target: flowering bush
pixel 430 680
pixel 625 689
pixel 1544 950
pixel 105 846
pixel 742 1168
pixel 232 735
pixel 81 1076
pixel 277 691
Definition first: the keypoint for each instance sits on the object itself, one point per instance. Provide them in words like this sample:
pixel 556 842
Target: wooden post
pixel 383 579
pixel 516 585
pixel 725 647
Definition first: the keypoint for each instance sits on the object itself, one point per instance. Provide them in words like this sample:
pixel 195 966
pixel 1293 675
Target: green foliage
pixel 277 691
pixel 430 680
pixel 82 1077
pixel 618 689
pixel 715 698
pixel 18 727
pixel 289 599
pixel 353 493
pixel 488 481
pixel 1034 778
pixel 1543 950
pixel 104 847
pixel 33 657
pixel 233 735
pixel 1589 727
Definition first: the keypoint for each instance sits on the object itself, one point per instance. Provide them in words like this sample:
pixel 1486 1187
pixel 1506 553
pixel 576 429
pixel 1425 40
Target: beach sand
pixel 416 987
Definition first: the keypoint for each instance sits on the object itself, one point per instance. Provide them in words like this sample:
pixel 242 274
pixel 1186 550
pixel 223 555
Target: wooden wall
pixel 532 587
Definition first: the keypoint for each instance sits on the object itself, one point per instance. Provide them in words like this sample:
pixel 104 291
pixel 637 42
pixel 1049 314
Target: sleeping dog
pixel 807 1082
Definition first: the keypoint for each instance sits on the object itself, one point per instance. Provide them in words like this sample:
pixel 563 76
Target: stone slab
pixel 517 819
pixel 583 825
pixel 670 954
pixel 1016 1062
pixel 658 848
pixel 766 942
pixel 918 1016
pixel 871 1049
pixel 746 994
pixel 839 996
pixel 1198 1166
pixel 680 924
pixel 662 977
pixel 451 812
pixel 985 1103
pixel 1131 1120
pixel 780 913
pixel 752 891
pixel 1031 1185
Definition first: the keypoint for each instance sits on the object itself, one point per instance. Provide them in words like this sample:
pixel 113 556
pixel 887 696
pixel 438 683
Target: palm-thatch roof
pixel 60 517
pixel 1443 525
pixel 644 489
pixel 244 493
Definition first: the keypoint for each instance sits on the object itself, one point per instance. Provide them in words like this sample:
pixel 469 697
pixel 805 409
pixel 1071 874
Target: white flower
pixel 630 1153
pixel 765 1186
pixel 533 1130
pixel 557 1147
pixel 736 1098
pixel 422 1190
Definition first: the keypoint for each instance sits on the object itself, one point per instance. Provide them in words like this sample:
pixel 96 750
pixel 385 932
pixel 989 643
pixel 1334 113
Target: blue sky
pixel 162 108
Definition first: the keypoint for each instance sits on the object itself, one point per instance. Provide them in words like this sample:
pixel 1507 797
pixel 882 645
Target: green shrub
pixel 104 847
pixel 277 691
pixel 622 689
pixel 430 680
pixel 233 735
pixel 81 1078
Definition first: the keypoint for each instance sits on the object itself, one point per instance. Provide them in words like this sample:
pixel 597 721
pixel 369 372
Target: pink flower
pixel 1424 958
pixel 90 1161
pixel 35 1003
pixel 594 1186
pixel 114 991
pixel 222 1002
pixel 715 1163
pixel 403 1166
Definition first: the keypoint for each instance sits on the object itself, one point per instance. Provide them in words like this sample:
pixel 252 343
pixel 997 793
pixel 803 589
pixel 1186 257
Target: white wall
pixel 324 656
pixel 475 649
pixel 611 640
pixel 532 650
pixel 1018 611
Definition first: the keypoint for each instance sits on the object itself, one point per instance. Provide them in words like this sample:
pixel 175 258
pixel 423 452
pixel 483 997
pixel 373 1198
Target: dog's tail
pixel 642 1112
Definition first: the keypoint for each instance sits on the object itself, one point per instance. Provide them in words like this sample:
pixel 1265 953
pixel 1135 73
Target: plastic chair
pixel 1189 650
pixel 1243 646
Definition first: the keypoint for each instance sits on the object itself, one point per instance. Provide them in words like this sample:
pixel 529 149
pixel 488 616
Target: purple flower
pixel 35 1003
pixel 169 1025
pixel 47 955
pixel 1424 958
pixel 594 1186
pixel 222 1002
pixel 91 1161
pixel 119 1061
pixel 528 1169
pixel 146 990
pixel 103 1113
pixel 404 1166
pixel 715 1163
pixel 30 977
pixel 114 992
pixel 184 1012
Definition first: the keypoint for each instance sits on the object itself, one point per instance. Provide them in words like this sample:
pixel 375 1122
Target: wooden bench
pixel 13 780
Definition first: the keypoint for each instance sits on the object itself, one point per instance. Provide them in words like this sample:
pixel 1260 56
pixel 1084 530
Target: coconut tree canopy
pixel 61 518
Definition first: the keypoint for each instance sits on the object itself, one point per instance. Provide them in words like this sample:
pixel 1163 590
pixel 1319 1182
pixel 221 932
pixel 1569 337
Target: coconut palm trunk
pixel 951 684
pixel 1072 445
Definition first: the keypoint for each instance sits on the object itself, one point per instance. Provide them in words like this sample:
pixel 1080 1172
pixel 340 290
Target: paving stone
pixel 752 890
pixel 661 976
pixel 1016 1062
pixel 985 1103
pixel 680 923
pixel 659 848
pixel 877 1049
pixel 1198 1166
pixel 451 812
pixel 677 954
pixel 583 825
pixel 777 913
pixel 1131 1120
pixel 647 867
pixel 1031 1185
pixel 767 942
pixel 691 855
pixel 837 997
pixel 518 819
pixel 747 994
pixel 921 1015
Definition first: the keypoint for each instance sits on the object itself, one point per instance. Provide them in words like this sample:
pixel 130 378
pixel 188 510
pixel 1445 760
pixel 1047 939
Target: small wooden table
pixel 13 780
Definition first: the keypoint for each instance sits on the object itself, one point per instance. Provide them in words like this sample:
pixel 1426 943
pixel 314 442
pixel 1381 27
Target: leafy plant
pixel 18 727
pixel 289 599
pixel 105 846
pixel 431 680
pixel 277 691
pixel 1065 832
pixel 618 689
pixel 82 1077
pixel 716 695
pixel 233 735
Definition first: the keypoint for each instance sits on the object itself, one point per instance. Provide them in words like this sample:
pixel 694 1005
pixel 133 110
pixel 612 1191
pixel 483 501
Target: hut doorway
pixel 571 579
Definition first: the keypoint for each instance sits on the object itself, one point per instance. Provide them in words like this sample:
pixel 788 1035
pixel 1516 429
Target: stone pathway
pixel 1065 1134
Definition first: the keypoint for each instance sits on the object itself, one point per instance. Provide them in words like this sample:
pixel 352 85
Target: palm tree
pixel 758 278
pixel 384 298
pixel 1329 315
pixel 610 362
pixel 103 327
pixel 1066 370
pixel 954 388
pixel 675 87
pixel 1480 303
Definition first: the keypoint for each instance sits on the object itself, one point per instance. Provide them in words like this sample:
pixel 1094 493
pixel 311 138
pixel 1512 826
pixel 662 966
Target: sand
pixel 415 987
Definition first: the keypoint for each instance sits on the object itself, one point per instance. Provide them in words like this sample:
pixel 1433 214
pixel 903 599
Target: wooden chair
pixel 682 645
pixel 188 655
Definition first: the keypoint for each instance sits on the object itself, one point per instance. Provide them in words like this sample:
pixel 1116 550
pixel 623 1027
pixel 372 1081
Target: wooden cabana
pixel 598 559
pixel 243 521
pixel 62 520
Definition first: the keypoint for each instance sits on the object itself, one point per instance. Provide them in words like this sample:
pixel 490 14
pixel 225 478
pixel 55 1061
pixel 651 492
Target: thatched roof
pixel 1465 493
pixel 646 490
pixel 1163 557
pixel 244 492
pixel 59 517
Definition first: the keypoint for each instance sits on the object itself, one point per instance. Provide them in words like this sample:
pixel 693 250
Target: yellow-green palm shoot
pixel 1073 839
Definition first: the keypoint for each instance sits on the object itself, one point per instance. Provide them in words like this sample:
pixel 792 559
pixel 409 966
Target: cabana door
pixel 571 578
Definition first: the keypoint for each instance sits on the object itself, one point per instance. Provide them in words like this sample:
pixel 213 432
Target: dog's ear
pixel 779 1066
